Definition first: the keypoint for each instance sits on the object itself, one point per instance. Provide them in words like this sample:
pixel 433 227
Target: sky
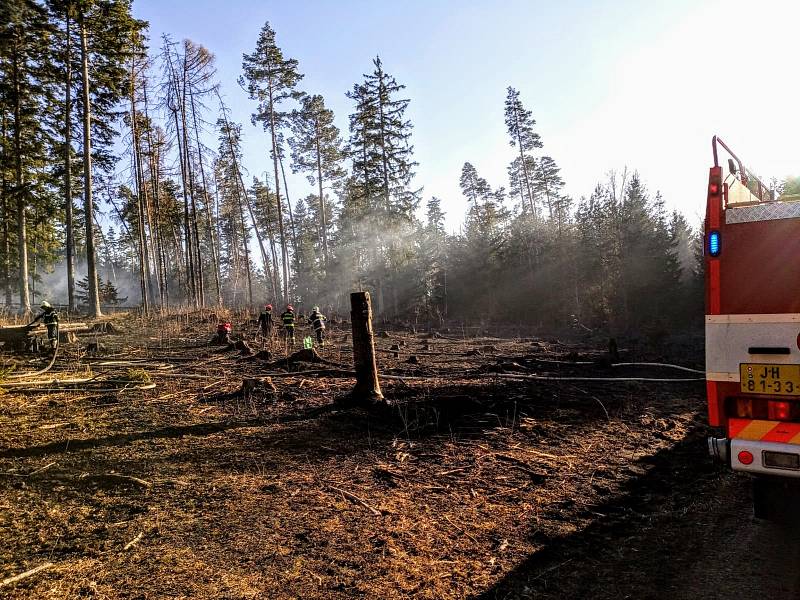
pixel 611 84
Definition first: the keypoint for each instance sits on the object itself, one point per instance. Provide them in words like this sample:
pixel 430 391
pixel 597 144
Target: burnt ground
pixel 468 485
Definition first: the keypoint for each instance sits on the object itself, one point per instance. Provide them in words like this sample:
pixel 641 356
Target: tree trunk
pixel 70 242
pixel 241 193
pixel 323 216
pixel 245 246
pixel 191 289
pixel 209 226
pixel 524 168
pixel 91 259
pixel 367 388
pixel 6 266
pixel 156 235
pixel 284 250
pixel 193 218
pixel 288 206
pixel 22 239
pixel 144 262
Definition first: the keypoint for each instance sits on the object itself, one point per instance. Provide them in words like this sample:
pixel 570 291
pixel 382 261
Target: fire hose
pixel 44 370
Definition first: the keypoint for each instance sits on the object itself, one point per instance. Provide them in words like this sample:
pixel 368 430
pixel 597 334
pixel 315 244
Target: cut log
pixel 243 348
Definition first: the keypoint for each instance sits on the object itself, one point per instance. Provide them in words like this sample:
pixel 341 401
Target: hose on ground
pixel 44 370
pixel 653 364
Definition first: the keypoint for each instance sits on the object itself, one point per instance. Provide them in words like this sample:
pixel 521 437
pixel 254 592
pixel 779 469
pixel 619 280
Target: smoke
pixel 52 285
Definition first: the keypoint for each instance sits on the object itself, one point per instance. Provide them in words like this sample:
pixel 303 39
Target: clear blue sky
pixel 611 83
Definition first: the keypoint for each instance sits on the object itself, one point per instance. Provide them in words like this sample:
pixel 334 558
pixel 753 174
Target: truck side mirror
pixel 732 166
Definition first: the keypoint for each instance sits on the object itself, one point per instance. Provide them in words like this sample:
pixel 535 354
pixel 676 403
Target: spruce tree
pixel 392 134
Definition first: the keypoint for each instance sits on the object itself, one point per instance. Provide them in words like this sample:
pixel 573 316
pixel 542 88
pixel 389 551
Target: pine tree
pixel 316 149
pixel 519 124
pixel 271 80
pixel 547 183
pixel 475 188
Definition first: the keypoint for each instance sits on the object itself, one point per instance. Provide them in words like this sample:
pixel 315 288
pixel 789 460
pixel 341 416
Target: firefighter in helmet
pixel 317 320
pixel 265 321
pixel 288 323
pixel 49 317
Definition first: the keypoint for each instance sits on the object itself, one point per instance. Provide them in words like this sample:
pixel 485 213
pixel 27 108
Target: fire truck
pixel 752 287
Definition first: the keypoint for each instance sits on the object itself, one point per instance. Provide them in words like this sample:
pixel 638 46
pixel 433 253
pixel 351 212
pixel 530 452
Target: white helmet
pixel 45 305
pixel 316 309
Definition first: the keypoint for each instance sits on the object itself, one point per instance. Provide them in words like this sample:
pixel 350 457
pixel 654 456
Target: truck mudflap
pixel 765 458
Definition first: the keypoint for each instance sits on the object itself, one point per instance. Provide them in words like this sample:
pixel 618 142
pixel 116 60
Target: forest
pixel 122 181
pixel 513 401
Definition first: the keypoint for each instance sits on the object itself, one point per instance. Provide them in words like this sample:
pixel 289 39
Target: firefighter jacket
pixel 288 319
pixel 265 319
pixel 48 317
pixel 317 320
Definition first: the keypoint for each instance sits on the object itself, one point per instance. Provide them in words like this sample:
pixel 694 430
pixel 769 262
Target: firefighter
pixel 49 317
pixel 317 320
pixel 265 321
pixel 223 335
pixel 288 323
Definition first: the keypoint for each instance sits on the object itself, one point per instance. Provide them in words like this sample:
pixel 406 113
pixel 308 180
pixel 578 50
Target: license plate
pixel 778 380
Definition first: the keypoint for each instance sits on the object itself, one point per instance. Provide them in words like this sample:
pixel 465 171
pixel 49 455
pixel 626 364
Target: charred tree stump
pixel 367 387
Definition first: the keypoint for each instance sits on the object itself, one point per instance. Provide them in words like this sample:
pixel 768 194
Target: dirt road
pixel 469 486
pixel 691 536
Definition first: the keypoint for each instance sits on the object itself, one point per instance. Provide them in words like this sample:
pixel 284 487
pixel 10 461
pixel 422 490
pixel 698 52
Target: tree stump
pixel 367 386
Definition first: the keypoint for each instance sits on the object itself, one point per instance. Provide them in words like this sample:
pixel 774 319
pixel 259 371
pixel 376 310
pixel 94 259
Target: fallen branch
pixel 116 476
pixel 353 498
pixel 26 574
pixel 134 541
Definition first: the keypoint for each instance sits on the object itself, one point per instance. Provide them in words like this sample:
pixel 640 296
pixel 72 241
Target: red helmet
pixel 289 307
pixel 268 307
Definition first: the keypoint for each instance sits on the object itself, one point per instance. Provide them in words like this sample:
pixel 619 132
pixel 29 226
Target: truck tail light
pixel 779 411
pixel 762 409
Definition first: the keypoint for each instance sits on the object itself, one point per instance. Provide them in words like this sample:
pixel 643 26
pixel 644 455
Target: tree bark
pixel 367 388
pixel 91 260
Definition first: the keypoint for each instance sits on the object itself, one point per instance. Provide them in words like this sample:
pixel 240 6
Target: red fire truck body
pixel 752 271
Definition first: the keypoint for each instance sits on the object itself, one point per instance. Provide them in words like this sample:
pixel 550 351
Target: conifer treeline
pixel 192 228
